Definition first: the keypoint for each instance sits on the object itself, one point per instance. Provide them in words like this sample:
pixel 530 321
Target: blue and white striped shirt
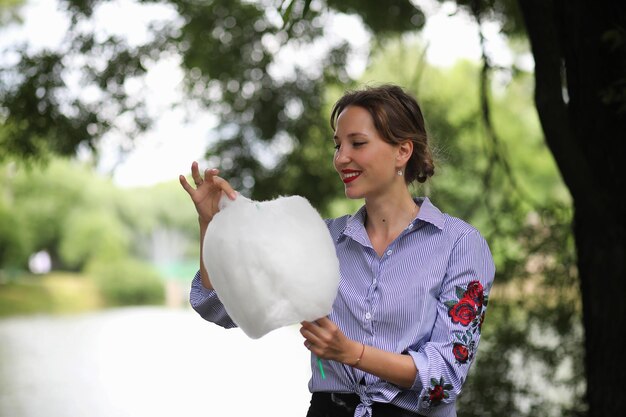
pixel 425 297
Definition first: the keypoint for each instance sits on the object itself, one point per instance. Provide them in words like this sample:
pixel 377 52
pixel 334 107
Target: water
pixel 147 362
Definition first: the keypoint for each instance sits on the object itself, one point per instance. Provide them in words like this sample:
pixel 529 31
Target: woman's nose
pixel 342 155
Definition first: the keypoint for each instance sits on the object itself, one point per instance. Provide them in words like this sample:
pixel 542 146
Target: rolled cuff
pixel 207 304
pixel 421 363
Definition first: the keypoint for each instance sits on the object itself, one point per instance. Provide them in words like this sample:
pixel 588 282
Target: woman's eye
pixel 357 144
pixel 337 147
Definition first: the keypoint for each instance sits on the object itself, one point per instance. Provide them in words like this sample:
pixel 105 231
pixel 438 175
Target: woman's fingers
pixel 314 333
pixel 325 323
pixel 185 184
pixel 207 191
pixel 209 173
pixel 224 186
pixel 311 339
pixel 320 326
pixel 197 177
pixel 307 330
pixel 324 339
pixel 209 178
pixel 195 174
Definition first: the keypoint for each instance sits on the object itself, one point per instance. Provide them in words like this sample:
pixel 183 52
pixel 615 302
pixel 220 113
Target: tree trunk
pixel 580 68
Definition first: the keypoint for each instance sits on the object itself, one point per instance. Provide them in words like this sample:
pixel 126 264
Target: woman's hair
pixel 397 118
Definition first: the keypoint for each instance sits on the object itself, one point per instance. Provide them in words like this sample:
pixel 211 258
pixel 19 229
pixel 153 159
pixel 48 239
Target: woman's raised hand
pixel 208 191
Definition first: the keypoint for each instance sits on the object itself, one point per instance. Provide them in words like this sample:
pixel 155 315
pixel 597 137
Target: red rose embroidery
pixel 463 312
pixel 475 292
pixel 461 353
pixel 467 309
pixel 435 395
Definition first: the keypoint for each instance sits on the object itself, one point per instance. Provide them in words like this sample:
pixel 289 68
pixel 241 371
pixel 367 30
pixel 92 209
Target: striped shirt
pixel 425 297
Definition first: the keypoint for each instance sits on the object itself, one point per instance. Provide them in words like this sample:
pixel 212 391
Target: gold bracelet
pixel 360 356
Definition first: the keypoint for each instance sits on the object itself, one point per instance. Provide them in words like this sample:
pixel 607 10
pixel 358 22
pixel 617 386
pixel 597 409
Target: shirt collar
pixel 428 213
pixel 355 228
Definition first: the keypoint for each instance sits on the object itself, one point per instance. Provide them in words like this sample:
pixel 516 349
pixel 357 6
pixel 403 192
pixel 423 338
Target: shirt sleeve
pixel 444 361
pixel 208 305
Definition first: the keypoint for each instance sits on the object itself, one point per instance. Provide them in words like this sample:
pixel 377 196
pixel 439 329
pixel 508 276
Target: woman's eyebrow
pixel 352 135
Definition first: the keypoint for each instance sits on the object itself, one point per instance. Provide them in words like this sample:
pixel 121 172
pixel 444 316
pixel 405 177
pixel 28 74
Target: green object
pixel 319 362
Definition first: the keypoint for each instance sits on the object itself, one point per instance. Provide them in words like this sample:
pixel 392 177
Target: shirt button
pixel 368 316
pixel 389 252
pixel 411 226
pixel 375 281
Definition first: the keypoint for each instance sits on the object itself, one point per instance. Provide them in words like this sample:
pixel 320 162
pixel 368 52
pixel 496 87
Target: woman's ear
pixel 405 150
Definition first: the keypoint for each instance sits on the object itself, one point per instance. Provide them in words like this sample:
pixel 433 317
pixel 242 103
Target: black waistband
pixel 351 401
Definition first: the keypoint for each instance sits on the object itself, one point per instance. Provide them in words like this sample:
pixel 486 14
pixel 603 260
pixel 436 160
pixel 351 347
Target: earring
pixel 400 172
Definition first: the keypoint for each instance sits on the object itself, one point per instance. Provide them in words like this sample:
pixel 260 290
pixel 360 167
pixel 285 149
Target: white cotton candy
pixel 272 263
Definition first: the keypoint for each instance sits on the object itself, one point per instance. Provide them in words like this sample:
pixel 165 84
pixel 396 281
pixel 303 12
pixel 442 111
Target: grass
pixel 55 293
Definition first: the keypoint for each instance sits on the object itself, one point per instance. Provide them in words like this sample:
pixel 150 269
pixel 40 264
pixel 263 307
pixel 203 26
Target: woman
pixel 406 322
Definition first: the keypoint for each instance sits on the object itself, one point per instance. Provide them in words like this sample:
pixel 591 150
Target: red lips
pixel 349 175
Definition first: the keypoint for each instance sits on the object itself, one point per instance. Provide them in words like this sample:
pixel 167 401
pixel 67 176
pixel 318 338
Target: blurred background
pixel 104 103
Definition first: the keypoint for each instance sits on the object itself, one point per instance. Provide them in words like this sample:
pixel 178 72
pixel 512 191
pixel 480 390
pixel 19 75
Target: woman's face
pixel 366 164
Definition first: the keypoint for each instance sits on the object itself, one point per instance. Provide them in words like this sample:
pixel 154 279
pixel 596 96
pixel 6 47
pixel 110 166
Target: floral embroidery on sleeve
pixel 463 349
pixel 437 392
pixel 467 310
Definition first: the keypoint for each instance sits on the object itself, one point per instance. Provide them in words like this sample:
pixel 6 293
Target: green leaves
pixel 229 51
pixel 41 114
pixel 460 292
pixel 383 18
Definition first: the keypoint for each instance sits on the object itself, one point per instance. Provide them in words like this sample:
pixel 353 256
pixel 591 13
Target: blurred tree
pixel 93 234
pixel 272 135
pixel 80 217
pixel 44 198
pixel 127 282
pixel 580 71
pixel 579 50
pixel 9 11
pixel 14 251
